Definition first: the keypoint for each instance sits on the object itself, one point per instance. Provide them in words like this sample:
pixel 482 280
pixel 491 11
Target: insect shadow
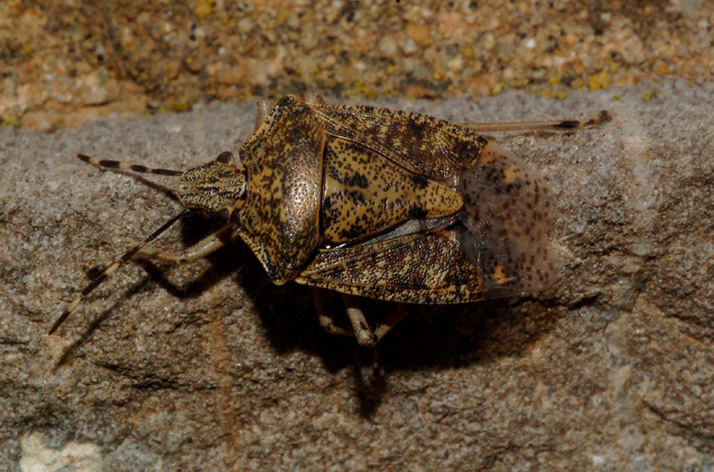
pixel 433 337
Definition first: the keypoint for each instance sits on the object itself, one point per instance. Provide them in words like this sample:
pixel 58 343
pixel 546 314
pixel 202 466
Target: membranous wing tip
pixel 507 216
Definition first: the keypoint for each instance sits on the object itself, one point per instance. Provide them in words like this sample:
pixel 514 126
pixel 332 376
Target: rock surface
pixel 209 366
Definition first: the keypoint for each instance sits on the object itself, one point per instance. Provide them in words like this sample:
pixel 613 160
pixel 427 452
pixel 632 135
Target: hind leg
pixel 326 314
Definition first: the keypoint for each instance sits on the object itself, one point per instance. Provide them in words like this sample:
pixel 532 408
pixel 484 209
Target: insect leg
pixel 314 97
pixel 326 314
pixel 108 164
pixel 554 125
pixel 264 107
pixel 109 270
pixel 364 334
pixel 398 315
pixel 201 249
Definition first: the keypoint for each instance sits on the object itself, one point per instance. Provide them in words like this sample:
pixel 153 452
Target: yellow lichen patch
pixel 284 16
pixel 362 90
pixel 500 276
pixel 599 81
pixel 9 121
pixel 516 84
pixel 203 8
pixel 545 93
pixel 578 83
pixel 498 88
pixel 650 95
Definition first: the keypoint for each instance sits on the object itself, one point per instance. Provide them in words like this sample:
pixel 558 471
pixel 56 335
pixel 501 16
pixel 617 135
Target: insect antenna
pixel 546 125
pixel 109 164
pixel 108 270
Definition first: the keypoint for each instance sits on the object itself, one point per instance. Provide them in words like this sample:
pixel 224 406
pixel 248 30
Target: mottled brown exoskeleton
pixel 371 202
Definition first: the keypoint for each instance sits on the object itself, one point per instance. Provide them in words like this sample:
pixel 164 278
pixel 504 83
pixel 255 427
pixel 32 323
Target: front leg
pixel 314 97
pixel 201 249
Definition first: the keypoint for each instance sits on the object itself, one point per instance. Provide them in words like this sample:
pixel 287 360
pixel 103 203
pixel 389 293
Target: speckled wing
pixel 502 232
pixel 425 268
pixel 422 144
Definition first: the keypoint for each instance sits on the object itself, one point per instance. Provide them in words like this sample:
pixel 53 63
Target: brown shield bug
pixel 371 202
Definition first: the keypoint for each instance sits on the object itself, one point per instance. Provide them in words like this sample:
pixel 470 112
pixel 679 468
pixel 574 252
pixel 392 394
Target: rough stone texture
pixel 211 367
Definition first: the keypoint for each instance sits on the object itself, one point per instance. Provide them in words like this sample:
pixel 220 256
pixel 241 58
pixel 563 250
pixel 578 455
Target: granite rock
pixel 208 366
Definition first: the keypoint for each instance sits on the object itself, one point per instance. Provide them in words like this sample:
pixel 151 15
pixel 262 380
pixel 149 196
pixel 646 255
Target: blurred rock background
pixel 67 62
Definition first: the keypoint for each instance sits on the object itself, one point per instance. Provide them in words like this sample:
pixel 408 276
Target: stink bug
pixel 371 202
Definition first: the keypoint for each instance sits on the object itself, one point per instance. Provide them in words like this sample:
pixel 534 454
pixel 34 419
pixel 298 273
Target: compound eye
pixel 225 157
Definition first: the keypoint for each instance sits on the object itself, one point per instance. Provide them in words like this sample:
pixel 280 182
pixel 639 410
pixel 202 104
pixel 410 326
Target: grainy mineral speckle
pixel 70 64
